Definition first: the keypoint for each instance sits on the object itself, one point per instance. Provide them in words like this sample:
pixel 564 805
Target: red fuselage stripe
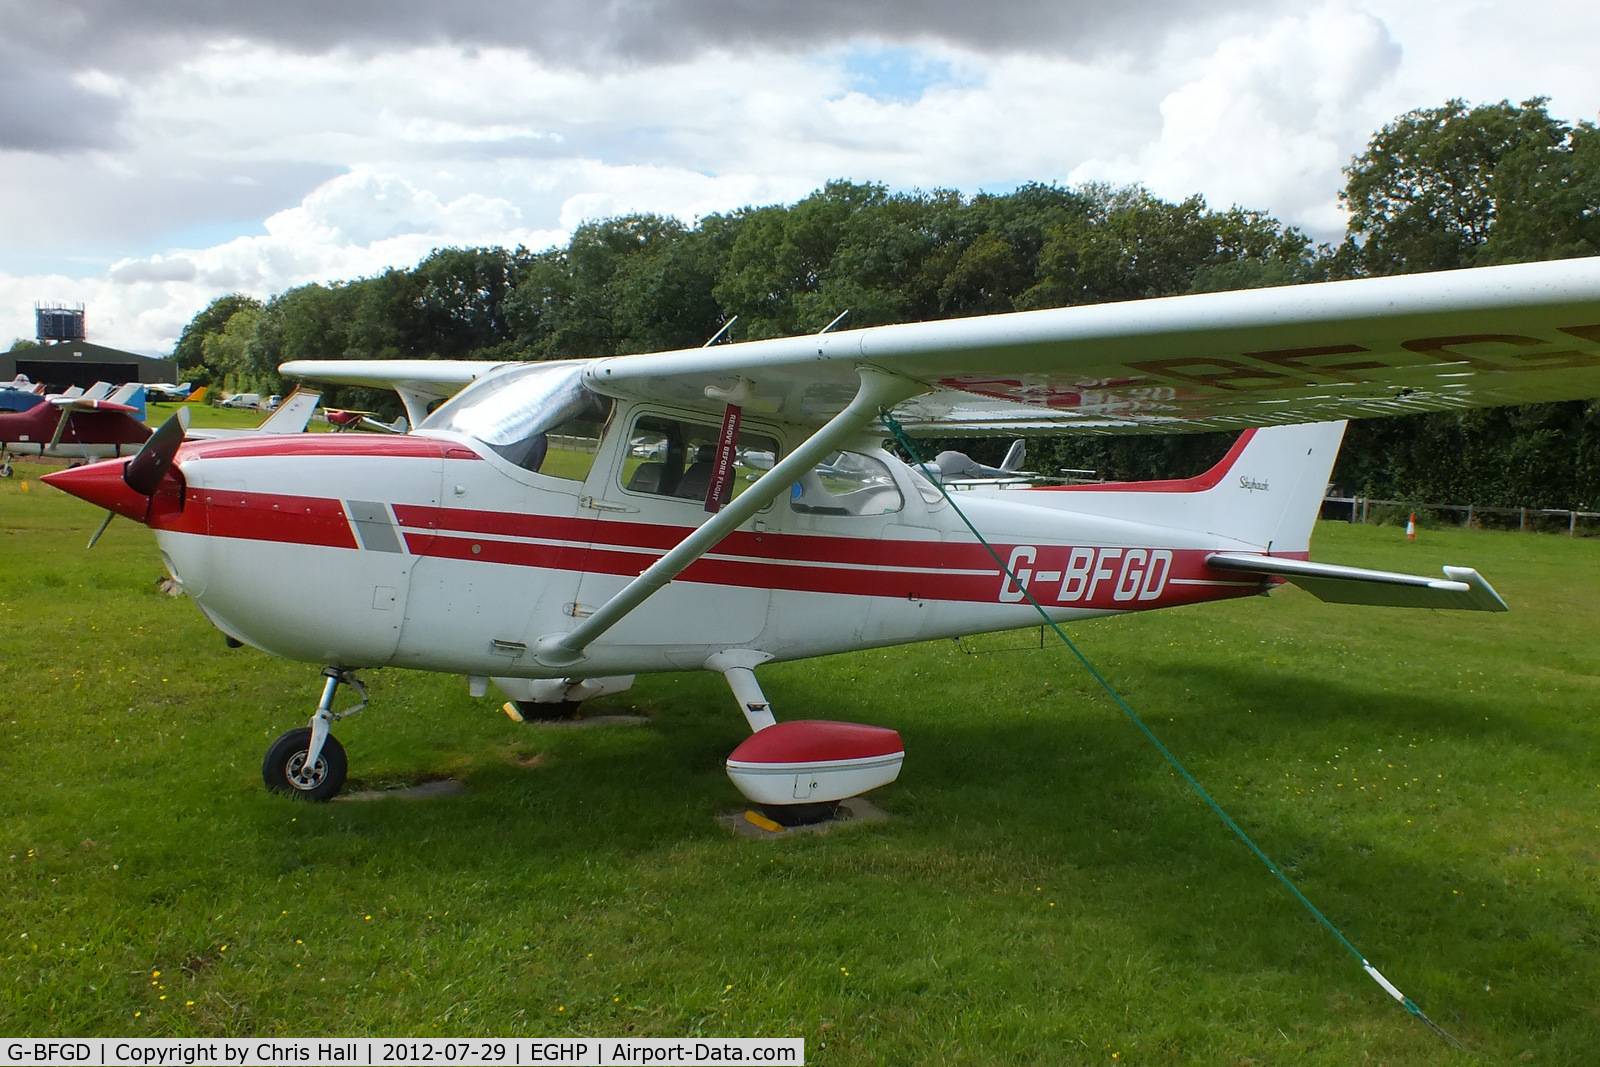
pixel 1105 578
pixel 296 520
pixel 282 446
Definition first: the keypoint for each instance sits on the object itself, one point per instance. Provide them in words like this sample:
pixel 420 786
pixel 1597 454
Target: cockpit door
pixel 647 493
pixel 509 538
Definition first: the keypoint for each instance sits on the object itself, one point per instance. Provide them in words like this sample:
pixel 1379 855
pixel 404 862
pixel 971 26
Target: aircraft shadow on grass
pixel 1285 702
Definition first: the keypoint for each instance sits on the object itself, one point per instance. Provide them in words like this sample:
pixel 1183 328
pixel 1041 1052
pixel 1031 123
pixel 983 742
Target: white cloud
pixel 1268 118
pixel 253 167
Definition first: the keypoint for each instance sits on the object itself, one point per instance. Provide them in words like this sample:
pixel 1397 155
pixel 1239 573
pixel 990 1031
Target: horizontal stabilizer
pixel 1462 588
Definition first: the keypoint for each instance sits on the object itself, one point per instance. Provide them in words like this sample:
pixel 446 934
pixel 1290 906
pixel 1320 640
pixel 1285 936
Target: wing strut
pixel 878 390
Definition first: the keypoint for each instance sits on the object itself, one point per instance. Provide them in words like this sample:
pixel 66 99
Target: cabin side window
pixel 670 457
pixel 572 444
pixel 847 483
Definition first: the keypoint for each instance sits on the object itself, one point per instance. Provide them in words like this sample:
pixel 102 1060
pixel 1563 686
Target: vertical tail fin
pixel 293 414
pixel 1271 494
pixel 1265 493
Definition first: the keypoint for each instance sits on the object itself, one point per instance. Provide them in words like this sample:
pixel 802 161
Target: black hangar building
pixel 69 363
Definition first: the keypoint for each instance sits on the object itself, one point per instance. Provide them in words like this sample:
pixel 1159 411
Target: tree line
pixel 1437 189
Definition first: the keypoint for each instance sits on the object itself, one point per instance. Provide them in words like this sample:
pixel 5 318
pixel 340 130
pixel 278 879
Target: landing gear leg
pixel 309 762
pixel 738 667
pixel 5 464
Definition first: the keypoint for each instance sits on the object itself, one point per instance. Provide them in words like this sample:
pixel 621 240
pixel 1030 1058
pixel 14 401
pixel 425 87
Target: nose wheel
pixel 285 769
pixel 309 762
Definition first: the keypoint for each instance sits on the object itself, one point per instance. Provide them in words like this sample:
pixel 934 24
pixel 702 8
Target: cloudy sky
pixel 155 155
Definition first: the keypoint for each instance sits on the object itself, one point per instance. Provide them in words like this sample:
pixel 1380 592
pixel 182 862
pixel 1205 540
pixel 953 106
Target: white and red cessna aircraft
pixel 561 526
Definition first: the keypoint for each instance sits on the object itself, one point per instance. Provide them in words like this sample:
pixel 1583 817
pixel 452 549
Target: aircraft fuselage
pixel 437 553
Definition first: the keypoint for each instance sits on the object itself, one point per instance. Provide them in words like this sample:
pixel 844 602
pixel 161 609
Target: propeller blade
pixel 109 516
pixel 145 470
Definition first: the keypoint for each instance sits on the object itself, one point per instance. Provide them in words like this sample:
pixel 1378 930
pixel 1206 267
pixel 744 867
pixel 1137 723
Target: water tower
pixel 58 322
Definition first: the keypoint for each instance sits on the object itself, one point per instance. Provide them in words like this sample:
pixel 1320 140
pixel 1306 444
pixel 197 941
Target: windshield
pixel 531 416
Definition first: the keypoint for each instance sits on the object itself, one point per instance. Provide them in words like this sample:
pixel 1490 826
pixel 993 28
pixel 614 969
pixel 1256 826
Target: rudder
pixel 1271 493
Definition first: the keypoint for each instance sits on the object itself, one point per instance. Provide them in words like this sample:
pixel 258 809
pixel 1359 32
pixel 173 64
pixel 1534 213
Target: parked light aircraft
pixel 959 469
pixel 20 394
pixel 166 392
pixel 343 420
pixel 98 423
pixel 89 424
pixel 559 527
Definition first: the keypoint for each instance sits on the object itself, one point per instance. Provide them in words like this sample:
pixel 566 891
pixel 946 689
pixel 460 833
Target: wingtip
pixel 1483 594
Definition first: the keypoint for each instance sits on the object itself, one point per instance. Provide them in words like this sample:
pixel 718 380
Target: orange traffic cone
pixel 1411 527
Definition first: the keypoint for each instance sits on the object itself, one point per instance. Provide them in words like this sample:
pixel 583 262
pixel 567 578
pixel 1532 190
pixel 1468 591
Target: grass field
pixel 218 417
pixel 1046 890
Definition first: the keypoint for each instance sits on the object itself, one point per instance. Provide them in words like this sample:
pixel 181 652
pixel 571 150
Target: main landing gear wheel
pixel 800 814
pixel 534 711
pixel 285 771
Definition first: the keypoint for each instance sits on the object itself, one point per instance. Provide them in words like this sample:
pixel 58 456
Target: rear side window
pixel 670 457
pixel 847 483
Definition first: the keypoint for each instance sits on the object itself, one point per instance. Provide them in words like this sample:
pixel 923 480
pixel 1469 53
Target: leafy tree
pixel 989 254
pixel 230 353
pixel 1130 245
pixel 663 299
pixel 782 255
pixel 460 296
pixel 190 351
pixel 1448 187
pixel 375 318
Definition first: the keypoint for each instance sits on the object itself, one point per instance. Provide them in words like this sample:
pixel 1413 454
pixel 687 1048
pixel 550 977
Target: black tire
pixel 533 711
pixel 279 768
pixel 800 814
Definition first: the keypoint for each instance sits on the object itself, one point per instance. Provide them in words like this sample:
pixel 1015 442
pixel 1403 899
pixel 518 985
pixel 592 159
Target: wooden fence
pixel 1360 509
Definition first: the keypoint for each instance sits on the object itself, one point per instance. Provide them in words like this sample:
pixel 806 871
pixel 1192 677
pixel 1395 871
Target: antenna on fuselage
pixel 720 332
pixel 836 321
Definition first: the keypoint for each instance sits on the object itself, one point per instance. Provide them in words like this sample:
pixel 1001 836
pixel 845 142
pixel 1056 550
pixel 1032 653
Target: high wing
pixel 1383 346
pixel 1515 334
pixel 419 382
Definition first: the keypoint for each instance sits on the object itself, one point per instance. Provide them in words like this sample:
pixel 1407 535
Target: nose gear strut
pixel 309 762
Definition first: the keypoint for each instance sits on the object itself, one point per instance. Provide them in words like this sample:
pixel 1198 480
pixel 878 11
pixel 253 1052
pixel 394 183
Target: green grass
pixel 1046 891
pixel 211 417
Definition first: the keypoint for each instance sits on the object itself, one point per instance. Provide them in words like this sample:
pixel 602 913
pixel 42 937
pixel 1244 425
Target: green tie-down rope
pixel 1388 987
